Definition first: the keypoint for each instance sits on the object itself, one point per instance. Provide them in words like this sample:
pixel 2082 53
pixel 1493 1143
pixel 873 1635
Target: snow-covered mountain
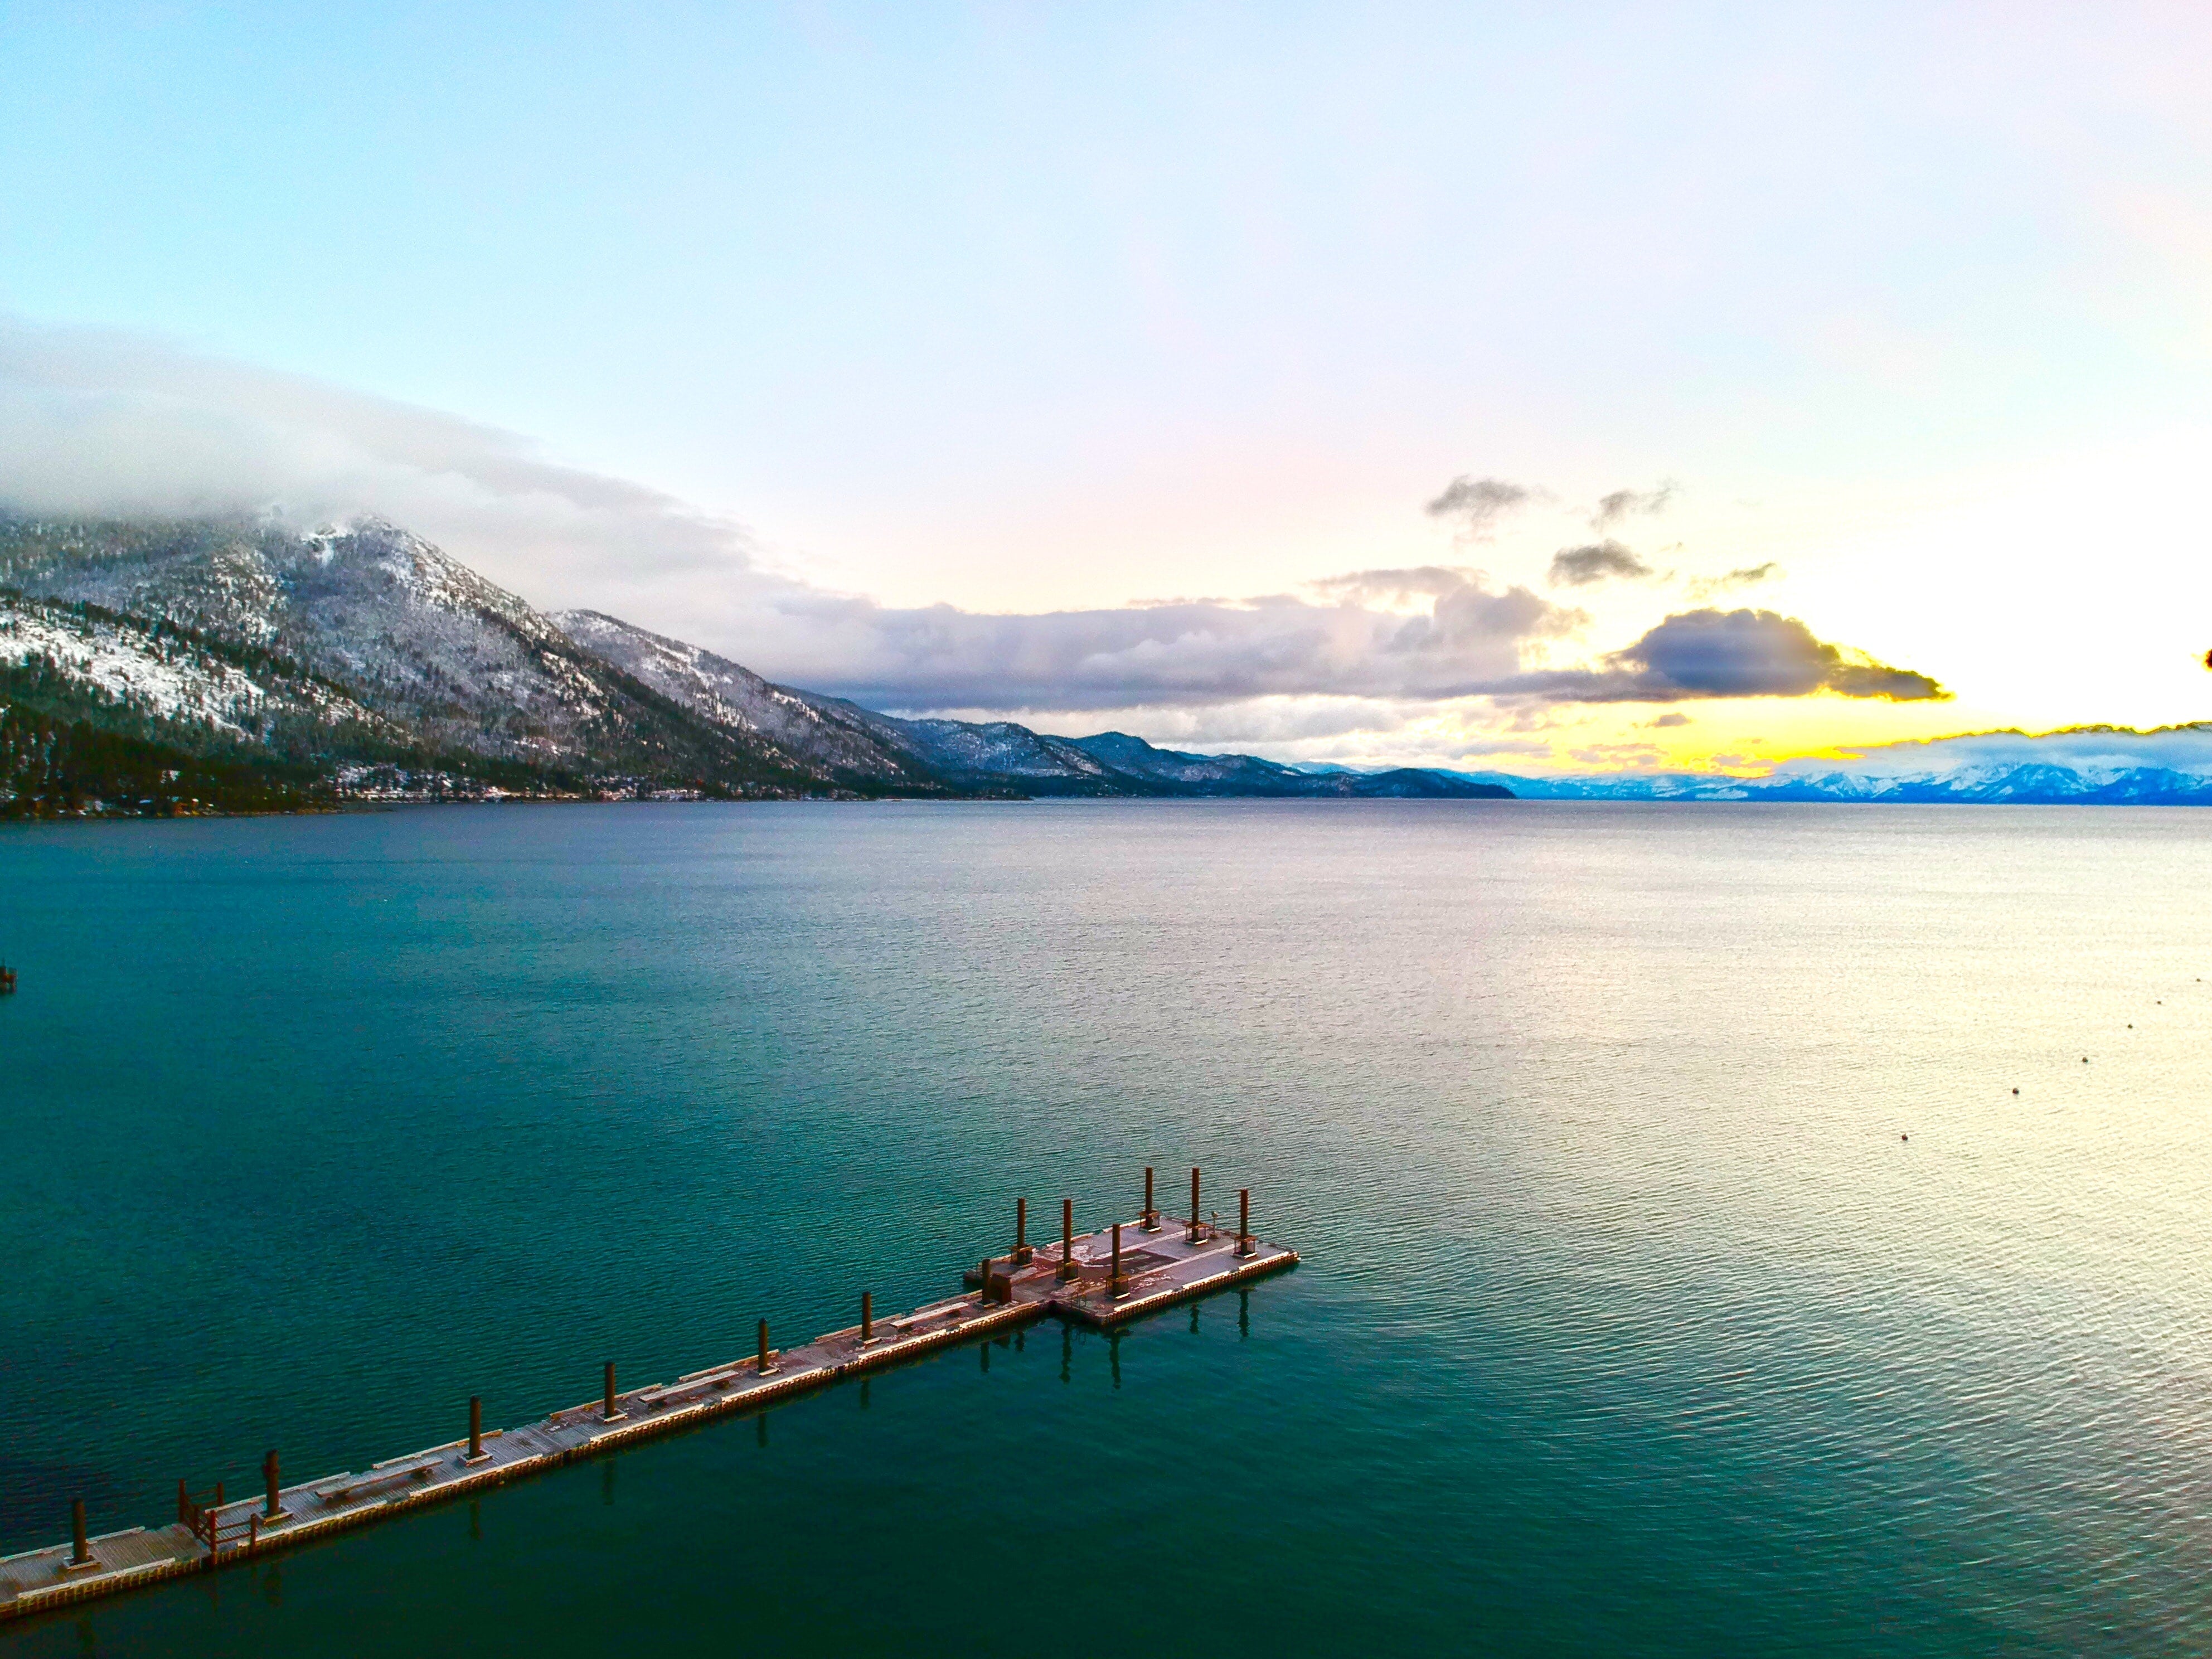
pixel 976 757
pixel 1247 774
pixel 169 675
pixel 445 664
pixel 363 656
pixel 264 665
pixel 2086 767
pixel 857 742
pixel 836 738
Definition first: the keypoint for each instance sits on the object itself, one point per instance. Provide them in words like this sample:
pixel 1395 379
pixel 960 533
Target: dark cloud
pixel 1478 503
pixel 1675 719
pixel 1581 567
pixel 1731 653
pixel 1749 577
pixel 1612 510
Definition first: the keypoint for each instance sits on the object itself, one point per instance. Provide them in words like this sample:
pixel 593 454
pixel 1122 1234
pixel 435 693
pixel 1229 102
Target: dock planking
pixel 1163 1262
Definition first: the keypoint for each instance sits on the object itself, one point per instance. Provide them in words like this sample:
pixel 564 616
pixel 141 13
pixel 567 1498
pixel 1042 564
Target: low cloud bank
pixel 1472 636
pixel 102 424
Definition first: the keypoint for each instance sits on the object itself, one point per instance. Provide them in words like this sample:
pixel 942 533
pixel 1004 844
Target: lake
pixel 1682 1273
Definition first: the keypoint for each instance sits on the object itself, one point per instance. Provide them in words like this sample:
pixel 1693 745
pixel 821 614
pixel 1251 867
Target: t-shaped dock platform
pixel 1159 1262
pixel 1100 1278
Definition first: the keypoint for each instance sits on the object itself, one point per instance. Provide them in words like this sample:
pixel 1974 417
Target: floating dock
pixel 1101 1278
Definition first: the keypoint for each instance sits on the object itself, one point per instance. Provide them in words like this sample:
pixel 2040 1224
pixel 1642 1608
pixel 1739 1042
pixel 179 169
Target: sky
pixel 1551 387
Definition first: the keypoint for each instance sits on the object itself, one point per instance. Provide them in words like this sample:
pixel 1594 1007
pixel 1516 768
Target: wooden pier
pixel 1100 1278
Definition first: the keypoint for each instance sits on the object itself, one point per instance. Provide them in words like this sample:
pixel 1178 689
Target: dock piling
pixel 1117 1287
pixel 275 1508
pixel 1152 1214
pixel 1193 1206
pixel 476 1428
pixel 610 1414
pixel 1066 1239
pixel 1244 1221
pixel 867 1317
pixel 1022 1251
pixel 80 1554
pixel 767 1364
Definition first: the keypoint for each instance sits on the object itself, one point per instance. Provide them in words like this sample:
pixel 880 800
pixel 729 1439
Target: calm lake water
pixel 1630 1321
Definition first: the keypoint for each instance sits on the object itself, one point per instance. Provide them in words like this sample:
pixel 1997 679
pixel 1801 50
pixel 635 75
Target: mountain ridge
pixel 972 756
pixel 239 665
pixel 217 665
pixel 242 664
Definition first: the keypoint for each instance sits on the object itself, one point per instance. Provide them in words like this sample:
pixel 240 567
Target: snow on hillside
pixel 158 674
pixel 1002 749
pixel 129 665
pixel 411 631
pixel 827 733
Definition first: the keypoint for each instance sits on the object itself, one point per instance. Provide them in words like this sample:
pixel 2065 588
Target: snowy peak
pixel 453 663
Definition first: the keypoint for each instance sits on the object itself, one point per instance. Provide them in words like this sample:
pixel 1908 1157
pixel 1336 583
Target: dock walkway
pixel 1163 1262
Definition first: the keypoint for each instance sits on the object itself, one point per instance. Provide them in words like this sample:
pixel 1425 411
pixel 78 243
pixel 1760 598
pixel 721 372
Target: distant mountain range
pixel 2029 783
pixel 228 665
pixel 239 665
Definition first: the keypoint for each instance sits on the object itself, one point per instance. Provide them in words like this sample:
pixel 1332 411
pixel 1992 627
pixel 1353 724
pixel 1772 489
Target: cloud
pixel 104 424
pixel 1731 654
pixel 1612 510
pixel 1396 587
pixel 1275 724
pixel 1677 718
pixel 1472 635
pixel 101 424
pixel 1581 567
pixel 1618 755
pixel 98 423
pixel 1478 503
pixel 1749 577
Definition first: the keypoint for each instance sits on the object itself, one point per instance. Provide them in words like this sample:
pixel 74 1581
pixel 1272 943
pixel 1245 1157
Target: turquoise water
pixel 1629 1322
